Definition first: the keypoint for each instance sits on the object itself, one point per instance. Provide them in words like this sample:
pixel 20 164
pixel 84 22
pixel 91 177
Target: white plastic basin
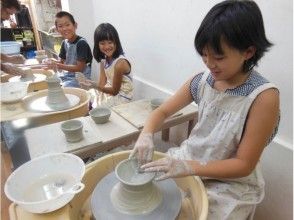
pixel 10 47
pixel 46 183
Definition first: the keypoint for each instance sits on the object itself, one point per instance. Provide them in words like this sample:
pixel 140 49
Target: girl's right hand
pixel 143 149
pixel 86 83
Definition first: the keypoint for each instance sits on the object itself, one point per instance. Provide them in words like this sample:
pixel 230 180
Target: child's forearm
pixel 154 122
pixel 70 68
pixel 229 168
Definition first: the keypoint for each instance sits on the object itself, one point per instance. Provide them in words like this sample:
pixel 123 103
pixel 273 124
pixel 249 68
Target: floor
pixel 6 169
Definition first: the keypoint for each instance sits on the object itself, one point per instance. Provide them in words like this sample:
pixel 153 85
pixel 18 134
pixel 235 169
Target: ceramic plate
pixel 39 104
pixel 102 207
pixel 13 91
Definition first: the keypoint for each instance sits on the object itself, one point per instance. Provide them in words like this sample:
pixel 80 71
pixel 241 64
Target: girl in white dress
pixel 115 82
pixel 238 114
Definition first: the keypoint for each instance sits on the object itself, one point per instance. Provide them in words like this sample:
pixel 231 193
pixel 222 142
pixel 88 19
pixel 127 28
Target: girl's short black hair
pixel 106 31
pixel 62 14
pixel 239 24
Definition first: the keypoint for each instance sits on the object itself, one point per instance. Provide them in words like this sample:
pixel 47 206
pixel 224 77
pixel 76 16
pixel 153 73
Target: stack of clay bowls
pixel 135 193
pixel 27 74
pixel 56 98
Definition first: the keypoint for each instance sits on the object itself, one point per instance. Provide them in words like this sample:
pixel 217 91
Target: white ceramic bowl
pixel 156 102
pixel 46 183
pixel 13 91
pixel 100 115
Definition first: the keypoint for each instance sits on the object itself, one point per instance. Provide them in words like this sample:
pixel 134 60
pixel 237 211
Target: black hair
pixel 239 24
pixel 10 4
pixel 106 31
pixel 61 14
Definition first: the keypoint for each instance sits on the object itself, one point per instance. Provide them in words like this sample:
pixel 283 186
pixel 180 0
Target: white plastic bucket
pixel 10 47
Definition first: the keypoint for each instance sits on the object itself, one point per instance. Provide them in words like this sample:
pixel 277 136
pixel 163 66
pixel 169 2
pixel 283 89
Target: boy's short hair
pixel 239 24
pixel 61 14
pixel 10 4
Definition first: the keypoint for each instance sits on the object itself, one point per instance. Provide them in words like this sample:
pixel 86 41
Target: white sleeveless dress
pixel 216 136
pixel 126 90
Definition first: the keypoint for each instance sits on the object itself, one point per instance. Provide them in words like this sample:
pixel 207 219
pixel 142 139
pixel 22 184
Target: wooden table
pixel 137 112
pixel 97 137
pixel 120 130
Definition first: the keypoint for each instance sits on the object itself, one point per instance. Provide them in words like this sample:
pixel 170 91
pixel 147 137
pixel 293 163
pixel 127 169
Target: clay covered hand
pixel 86 83
pixel 144 148
pixel 170 166
pixel 11 69
pixel 17 59
pixel 51 63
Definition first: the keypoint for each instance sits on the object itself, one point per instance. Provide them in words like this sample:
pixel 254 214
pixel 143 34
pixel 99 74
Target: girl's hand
pixel 144 148
pixel 170 166
pixel 86 83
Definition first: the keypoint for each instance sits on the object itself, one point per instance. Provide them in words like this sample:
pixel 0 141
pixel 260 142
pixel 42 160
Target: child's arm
pixel 79 67
pixel 261 121
pixel 144 145
pixel 102 77
pixel 176 102
pixel 121 67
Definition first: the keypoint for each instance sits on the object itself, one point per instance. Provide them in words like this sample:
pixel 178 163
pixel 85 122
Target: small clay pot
pixel 135 193
pixel 27 73
pixel 100 115
pixel 155 103
pixel 73 130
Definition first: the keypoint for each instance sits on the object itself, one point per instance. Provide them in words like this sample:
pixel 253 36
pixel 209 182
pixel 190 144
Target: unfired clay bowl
pixel 73 130
pixel 100 115
pixel 27 73
pixel 156 102
pixel 127 172
pixel 135 193
pixel 56 98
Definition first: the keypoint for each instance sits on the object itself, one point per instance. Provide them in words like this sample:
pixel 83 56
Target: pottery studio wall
pixel 158 38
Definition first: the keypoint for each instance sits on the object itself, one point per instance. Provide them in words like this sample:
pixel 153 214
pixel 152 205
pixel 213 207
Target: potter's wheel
pixel 37 77
pixel 102 207
pixel 39 104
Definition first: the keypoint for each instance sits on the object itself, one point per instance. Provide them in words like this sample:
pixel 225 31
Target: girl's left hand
pixel 170 166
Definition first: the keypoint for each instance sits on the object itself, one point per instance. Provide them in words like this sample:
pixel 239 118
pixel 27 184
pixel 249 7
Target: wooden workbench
pixel 118 131
pixel 97 137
